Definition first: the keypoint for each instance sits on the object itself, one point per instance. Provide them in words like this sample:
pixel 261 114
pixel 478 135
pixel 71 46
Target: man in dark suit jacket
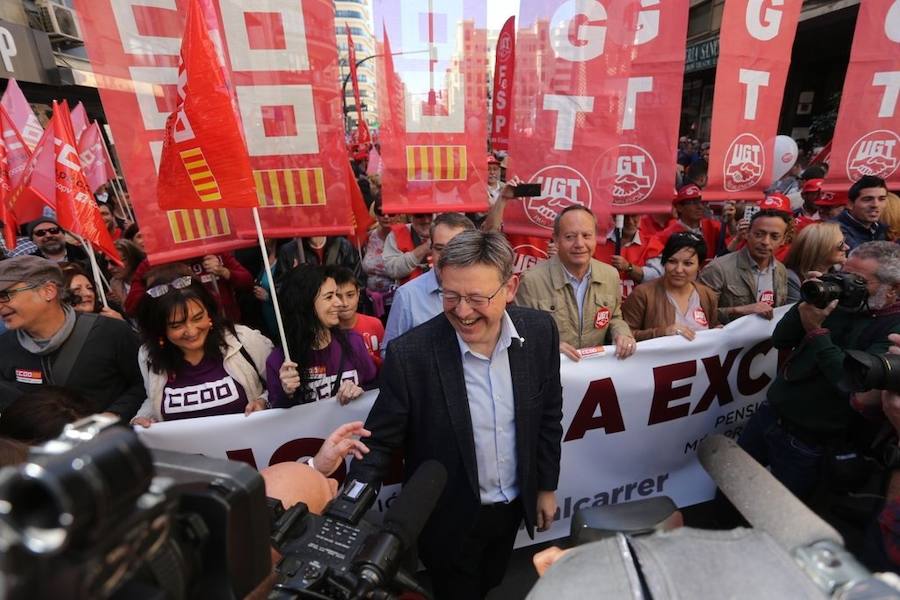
pixel 476 388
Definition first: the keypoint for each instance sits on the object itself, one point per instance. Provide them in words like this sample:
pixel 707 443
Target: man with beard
pixel 809 410
pixel 859 221
pixel 50 239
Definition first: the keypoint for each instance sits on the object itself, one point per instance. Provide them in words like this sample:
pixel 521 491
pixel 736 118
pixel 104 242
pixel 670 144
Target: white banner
pixel 630 427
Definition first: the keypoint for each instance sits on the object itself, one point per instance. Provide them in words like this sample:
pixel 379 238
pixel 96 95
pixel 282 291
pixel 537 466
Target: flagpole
pixel 96 269
pixel 272 292
pixel 117 188
pixel 119 202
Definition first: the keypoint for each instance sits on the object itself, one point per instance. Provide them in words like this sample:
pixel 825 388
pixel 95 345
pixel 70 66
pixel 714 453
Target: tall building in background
pixel 358 15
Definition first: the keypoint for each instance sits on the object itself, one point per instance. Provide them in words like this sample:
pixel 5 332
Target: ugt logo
pixel 561 186
pixel 745 163
pixel 628 172
pixel 875 153
pixel 504 47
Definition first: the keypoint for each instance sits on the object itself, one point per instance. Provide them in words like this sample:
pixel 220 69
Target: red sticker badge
pixel 700 317
pixel 601 320
pixel 28 376
pixel 768 297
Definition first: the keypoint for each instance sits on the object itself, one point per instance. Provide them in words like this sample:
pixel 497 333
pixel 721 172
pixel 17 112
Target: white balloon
pixel 784 156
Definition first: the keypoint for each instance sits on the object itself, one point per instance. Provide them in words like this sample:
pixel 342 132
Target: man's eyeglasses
pixel 451 299
pixel 176 284
pixel 39 233
pixel 6 295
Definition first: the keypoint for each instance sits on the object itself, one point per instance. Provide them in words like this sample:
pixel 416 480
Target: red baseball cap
pixel 690 191
pixel 813 185
pixel 832 199
pixel 492 160
pixel 776 201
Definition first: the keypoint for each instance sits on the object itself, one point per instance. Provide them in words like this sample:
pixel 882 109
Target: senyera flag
pixel 504 73
pixel 204 161
pixel 76 209
pixel 867 133
pixel 432 126
pixel 23 117
pixel 363 138
pixel 595 110
pixel 282 64
pixel 754 57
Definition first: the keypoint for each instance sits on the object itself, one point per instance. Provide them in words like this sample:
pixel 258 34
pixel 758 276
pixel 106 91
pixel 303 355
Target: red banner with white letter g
pixel 754 56
pixel 867 133
pixel 597 94
pixel 433 128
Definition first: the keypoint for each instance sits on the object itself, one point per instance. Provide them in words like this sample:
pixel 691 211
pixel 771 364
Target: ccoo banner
pixel 283 69
pixel 867 132
pixel 432 105
pixel 630 427
pixel 597 90
pixel 754 56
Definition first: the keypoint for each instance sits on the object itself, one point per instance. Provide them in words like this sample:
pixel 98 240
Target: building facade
pixel 357 14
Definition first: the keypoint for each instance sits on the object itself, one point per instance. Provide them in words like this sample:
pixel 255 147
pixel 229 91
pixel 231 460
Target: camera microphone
pixel 379 559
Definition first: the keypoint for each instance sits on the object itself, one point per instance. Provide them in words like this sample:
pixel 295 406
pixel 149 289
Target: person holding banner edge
pixel 579 291
pixel 476 388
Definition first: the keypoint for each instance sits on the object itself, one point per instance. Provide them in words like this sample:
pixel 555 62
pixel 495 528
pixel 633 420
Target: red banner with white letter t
pixel 595 112
pixel 281 62
pixel 754 56
pixel 867 133
pixel 433 128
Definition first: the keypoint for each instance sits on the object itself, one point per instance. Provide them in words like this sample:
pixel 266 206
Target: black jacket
pixel 338 251
pixel 105 373
pixel 422 409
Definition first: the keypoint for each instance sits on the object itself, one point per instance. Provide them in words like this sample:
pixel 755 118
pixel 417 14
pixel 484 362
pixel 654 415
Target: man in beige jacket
pixel 579 291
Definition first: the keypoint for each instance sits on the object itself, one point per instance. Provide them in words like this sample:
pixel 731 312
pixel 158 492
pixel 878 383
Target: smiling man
pixel 579 291
pixel 860 220
pixel 476 388
pixel 49 343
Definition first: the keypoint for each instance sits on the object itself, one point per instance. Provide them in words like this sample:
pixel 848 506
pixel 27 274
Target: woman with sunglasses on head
pixel 194 362
pixel 676 303
pixel 327 362
pixel 819 249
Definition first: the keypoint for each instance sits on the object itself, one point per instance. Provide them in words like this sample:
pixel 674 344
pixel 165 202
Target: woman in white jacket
pixel 194 362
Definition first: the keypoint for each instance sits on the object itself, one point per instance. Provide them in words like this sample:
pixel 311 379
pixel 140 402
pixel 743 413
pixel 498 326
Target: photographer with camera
pixel 808 414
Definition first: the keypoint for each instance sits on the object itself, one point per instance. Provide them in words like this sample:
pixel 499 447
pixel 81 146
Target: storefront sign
pixel 701 56
pixel 25 54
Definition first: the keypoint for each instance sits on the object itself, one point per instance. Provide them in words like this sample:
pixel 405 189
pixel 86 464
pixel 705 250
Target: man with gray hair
pixel 476 388
pixel 809 409
pixel 49 343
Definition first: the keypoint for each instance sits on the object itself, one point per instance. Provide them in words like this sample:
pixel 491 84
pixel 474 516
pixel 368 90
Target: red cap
pixel 813 185
pixel 832 199
pixel 492 160
pixel 776 201
pixel 690 191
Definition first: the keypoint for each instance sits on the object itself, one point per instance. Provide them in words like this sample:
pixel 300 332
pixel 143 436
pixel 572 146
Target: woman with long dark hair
pixel 194 362
pixel 327 361
pixel 80 292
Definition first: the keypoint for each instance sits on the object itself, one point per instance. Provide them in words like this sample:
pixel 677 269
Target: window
pixel 700 19
pixel 348 14
pixel 341 30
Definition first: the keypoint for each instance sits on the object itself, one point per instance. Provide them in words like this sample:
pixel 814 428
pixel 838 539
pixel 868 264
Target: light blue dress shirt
pixel 414 303
pixel 492 408
pixel 580 288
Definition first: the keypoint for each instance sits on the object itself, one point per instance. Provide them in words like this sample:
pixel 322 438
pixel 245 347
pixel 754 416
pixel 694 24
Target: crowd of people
pixel 429 310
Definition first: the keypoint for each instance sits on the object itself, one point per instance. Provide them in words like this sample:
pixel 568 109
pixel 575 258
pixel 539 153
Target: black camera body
pixel 95 514
pixel 849 289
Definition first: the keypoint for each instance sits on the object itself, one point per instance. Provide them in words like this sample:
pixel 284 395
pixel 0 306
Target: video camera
pixel 96 514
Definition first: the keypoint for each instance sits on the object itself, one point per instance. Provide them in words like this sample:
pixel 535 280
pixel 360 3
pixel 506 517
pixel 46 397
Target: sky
pixel 500 10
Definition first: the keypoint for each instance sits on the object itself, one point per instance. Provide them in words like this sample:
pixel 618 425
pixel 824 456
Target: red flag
pixel 17 153
pixel 362 219
pixel 76 209
pixel 434 129
pixel 79 120
pixel 867 133
pixel 824 155
pixel 204 160
pixel 504 74
pixel 23 117
pixel 94 159
pixel 755 54
pixel 6 213
pixel 36 188
pixel 363 138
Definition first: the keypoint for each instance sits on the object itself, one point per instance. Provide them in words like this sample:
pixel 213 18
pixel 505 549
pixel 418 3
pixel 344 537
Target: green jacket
pixel 806 391
pixel 732 277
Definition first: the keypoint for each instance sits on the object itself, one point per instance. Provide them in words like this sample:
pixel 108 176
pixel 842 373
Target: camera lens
pixel 819 293
pixel 866 371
